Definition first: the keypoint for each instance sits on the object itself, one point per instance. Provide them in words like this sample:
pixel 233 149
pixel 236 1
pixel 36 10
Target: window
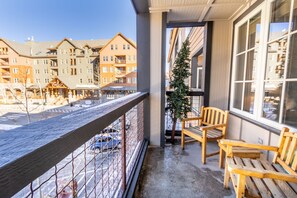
pixel 80 80
pixel 72 61
pixel 199 78
pixel 134 80
pixel 134 57
pixel 3 50
pixel 80 70
pixel 16 80
pixel 129 57
pixel 128 69
pixel 90 71
pixel 111 47
pixel 116 46
pixel 128 46
pixel 264 78
pixel 15 70
pixel 37 71
pixel 104 69
pixel 45 71
pixel 46 80
pixel 14 60
pixel 90 80
pixel 111 58
pixel 37 80
pixel 124 47
pixel 128 80
pixel 73 71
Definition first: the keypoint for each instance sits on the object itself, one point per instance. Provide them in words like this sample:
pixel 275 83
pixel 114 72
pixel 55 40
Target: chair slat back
pixel 287 153
pixel 214 116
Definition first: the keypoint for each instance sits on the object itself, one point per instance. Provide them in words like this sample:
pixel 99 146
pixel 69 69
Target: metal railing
pixel 87 153
pixel 196 98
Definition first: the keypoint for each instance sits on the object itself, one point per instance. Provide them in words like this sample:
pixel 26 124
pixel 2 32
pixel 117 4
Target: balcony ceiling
pixel 194 10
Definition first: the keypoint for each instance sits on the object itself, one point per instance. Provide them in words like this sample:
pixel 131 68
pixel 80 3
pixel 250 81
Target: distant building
pixel 118 66
pixel 66 69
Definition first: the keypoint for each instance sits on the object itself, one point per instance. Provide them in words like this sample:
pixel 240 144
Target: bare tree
pixel 22 85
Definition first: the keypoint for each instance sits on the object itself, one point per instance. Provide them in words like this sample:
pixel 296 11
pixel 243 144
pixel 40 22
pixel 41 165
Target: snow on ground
pixel 7 127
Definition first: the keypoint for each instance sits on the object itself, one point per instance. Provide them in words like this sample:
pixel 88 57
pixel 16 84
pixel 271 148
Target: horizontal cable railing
pixel 196 98
pixel 86 153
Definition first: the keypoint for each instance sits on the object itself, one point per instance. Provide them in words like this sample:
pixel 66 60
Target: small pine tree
pixel 178 102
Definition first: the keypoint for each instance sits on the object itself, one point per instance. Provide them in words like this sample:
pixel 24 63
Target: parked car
pixel 105 142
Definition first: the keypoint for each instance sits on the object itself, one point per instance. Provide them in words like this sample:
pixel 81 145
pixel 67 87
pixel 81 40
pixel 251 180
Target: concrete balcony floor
pixel 172 172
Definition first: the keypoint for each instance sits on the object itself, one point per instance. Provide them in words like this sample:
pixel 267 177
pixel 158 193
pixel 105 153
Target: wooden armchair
pixel 260 178
pixel 212 125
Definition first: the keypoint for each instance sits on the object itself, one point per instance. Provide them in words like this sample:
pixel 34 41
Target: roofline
pixel 1 39
pixel 118 34
pixel 66 39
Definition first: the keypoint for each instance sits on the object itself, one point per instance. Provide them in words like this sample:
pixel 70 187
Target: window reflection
pixel 276 57
pixel 251 64
pixel 240 67
pixel 290 105
pixel 242 38
pixel 292 59
pixel 237 96
pixel 279 19
pixel 254 31
pixel 249 95
pixel 271 101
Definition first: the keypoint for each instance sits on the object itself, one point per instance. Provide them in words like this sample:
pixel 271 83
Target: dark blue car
pixel 105 142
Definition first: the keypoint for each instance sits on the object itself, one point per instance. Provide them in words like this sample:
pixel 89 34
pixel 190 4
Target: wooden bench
pixel 238 152
pixel 260 178
pixel 212 126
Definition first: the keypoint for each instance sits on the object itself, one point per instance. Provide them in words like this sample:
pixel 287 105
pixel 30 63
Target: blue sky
pixel 52 20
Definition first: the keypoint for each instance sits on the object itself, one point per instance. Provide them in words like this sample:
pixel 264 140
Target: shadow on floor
pixel 172 172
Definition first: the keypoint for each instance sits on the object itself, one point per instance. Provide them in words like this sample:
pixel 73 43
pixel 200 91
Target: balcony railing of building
pixel 4 64
pixel 196 98
pixel 120 61
pixel 5 74
pixel 88 153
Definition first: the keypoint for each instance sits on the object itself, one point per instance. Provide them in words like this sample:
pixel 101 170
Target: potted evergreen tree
pixel 178 103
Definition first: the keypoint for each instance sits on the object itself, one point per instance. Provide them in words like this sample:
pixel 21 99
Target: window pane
pixel 251 64
pixel 294 22
pixel 237 96
pixel 272 98
pixel 249 95
pixel 292 60
pixel 239 67
pixel 290 104
pixel 254 31
pixel 242 38
pixel 279 19
pixel 275 63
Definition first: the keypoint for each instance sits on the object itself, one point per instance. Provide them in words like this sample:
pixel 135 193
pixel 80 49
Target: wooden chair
pixel 260 178
pixel 212 125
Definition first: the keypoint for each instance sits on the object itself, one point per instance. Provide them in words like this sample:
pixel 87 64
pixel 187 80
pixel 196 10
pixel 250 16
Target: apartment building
pixel 67 68
pixel 118 66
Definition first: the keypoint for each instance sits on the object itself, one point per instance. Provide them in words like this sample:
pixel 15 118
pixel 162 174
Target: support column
pixel 157 77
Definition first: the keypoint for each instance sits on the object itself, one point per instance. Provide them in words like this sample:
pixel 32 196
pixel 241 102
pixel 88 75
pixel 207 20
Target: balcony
pixel 88 153
pixel 120 74
pixel 5 74
pixel 4 65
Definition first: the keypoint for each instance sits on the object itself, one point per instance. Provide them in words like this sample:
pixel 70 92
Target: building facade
pixel 118 66
pixel 69 69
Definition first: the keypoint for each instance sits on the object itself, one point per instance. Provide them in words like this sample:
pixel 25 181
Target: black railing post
pixel 123 152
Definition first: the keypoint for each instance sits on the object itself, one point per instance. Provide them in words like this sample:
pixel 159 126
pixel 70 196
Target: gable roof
pixel 132 43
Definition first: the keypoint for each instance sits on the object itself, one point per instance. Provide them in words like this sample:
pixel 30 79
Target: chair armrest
pixel 253 172
pixel 212 126
pixel 190 119
pixel 230 143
